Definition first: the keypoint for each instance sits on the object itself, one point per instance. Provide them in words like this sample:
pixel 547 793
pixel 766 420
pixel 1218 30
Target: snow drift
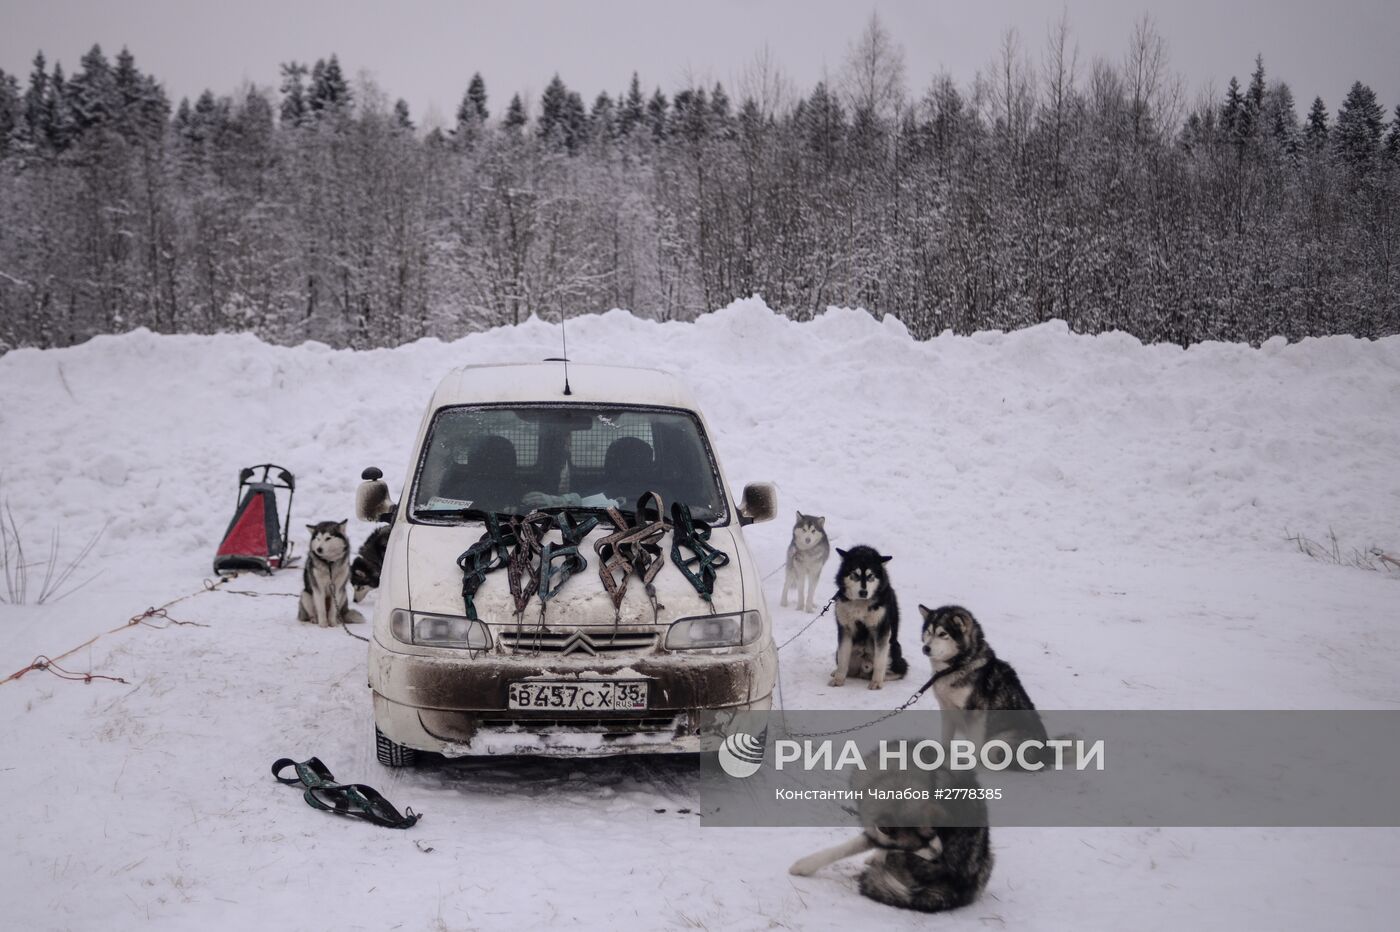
pixel 1114 512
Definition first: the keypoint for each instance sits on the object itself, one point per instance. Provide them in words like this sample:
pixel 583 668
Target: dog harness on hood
pixel 489 553
pixel 632 549
pixel 694 535
pixel 566 551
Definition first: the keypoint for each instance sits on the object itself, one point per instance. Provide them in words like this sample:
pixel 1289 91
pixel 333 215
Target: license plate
pixel 579 696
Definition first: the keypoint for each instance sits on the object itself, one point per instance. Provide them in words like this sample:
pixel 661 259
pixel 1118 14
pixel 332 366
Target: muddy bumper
pixel 459 706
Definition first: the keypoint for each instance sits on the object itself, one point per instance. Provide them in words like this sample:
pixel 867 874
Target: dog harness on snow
pixel 349 799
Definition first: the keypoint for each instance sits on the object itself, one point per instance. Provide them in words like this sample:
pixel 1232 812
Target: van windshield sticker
pixel 438 503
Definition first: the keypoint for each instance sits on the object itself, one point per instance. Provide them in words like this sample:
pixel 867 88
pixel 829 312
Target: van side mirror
pixel 372 497
pixel 760 503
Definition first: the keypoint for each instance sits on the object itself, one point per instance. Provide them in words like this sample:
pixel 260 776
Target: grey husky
pixel 969 677
pixel 806 556
pixel 927 867
pixel 369 563
pixel 324 579
pixel 867 620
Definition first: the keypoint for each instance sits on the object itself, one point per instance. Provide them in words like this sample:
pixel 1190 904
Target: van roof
pixel 544 382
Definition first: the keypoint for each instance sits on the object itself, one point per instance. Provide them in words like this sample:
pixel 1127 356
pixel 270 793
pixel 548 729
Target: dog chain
pixel 841 731
pixel 825 608
pixel 782 708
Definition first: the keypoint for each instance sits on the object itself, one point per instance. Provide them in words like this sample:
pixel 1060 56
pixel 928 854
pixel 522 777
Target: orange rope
pixel 44 662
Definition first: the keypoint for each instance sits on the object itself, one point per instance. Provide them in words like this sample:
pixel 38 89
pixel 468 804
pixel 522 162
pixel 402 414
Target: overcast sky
pixel 426 52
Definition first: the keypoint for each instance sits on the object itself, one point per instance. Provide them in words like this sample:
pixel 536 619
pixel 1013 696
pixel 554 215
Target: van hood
pixel 435 584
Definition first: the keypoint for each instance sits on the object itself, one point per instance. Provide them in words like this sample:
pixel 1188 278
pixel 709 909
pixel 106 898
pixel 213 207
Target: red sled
pixel 254 539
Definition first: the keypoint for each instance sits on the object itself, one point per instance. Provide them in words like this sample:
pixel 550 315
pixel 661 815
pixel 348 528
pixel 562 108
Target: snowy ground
pixel 1115 513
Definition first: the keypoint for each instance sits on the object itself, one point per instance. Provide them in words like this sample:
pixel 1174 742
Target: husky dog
pixel 325 576
pixel 867 620
pixel 365 568
pixel 968 677
pixel 806 556
pixel 931 867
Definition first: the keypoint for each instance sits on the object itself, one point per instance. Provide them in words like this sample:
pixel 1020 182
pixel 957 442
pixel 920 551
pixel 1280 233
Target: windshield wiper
pixel 460 514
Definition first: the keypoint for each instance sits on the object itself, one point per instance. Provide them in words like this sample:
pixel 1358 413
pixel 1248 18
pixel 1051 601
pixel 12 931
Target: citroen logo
pixel 578 642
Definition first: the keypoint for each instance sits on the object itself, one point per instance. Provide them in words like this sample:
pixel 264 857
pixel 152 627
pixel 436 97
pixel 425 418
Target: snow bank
pixel 1113 512
pixel 1090 442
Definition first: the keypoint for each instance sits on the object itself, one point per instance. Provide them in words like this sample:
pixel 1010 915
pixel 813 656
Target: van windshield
pixel 515 459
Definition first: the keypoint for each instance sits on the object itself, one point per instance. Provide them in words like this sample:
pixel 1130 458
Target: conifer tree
pixel 294 109
pixel 719 103
pixel 11 110
pixel 203 120
pixel 329 92
pixel 401 115
pixel 141 105
pixel 128 86
pixel 60 126
pixel 632 110
pixel 656 114
pixel 476 95
pixel 1232 111
pixel 824 121
pixel 602 119
pixel 1316 131
pixel 1254 100
pixel 515 115
pixel 1280 117
pixel 575 122
pixel 553 103
pixel 469 123
pixel 36 97
pixel 93 92
pixel 183 117
pixel 1357 135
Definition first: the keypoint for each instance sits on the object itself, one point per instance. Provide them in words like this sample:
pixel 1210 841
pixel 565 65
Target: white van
pixel 573 675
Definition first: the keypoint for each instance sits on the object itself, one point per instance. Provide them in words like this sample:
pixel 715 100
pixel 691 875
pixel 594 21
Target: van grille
pixel 564 643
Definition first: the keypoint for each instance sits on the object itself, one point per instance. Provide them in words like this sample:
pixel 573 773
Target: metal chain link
pixel 782 707
pixel 825 608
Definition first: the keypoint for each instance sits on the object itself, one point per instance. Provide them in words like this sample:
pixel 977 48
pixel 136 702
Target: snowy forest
pixel 1049 186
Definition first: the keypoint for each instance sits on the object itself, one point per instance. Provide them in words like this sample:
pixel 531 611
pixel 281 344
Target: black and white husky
pixel 369 563
pixel 867 620
pixel 324 579
pixel 806 556
pixel 969 677
pixel 931 867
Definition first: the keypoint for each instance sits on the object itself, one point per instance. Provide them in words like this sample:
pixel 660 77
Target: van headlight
pixel 439 630
pixel 730 630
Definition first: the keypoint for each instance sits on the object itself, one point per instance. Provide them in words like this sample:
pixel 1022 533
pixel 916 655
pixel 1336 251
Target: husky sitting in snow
pixel 931 867
pixel 806 556
pixel 969 677
pixel 324 579
pixel 867 620
pixel 369 562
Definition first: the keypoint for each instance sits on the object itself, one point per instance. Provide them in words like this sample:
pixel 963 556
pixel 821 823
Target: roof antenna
pixel 565 358
pixel 563 332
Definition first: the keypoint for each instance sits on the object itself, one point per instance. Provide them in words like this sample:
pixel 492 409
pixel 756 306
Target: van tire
pixel 391 753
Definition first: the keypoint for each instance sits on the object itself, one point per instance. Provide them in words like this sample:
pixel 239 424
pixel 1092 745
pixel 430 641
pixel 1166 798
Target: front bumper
pixel 457 705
